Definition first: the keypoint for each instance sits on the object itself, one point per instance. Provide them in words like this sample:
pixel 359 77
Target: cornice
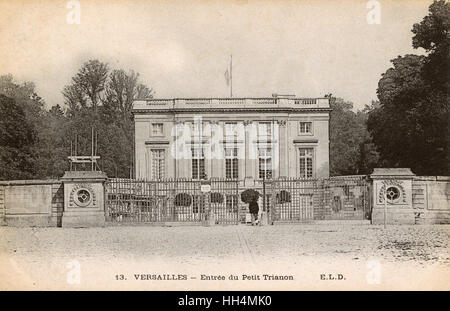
pixel 229 110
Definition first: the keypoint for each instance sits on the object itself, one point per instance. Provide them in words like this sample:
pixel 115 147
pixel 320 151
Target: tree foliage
pixel 96 98
pixel 410 127
pixel 351 148
pixel 113 93
pixel 16 142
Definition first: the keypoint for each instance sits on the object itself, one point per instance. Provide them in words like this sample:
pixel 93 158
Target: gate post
pixel 84 199
pixel 394 187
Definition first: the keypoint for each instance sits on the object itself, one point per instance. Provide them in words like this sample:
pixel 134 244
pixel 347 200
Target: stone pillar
pixel 248 177
pixel 396 185
pixel 216 160
pixel 283 150
pixel 84 199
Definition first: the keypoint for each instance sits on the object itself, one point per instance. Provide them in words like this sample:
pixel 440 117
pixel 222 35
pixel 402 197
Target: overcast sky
pixel 182 48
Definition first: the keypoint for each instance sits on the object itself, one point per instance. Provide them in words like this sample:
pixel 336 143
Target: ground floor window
pixel 231 163
pixel 198 163
pixel 158 163
pixel 265 163
pixel 306 162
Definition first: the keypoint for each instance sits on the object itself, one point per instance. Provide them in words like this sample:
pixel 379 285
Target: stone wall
pixel 431 199
pixel 37 203
pixel 419 199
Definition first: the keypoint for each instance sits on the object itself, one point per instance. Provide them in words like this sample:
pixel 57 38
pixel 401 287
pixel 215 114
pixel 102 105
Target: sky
pixel 182 48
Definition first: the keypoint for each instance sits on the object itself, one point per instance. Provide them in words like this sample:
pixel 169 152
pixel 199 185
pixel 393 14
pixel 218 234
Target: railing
pixel 170 200
pixel 339 198
pixel 236 101
pixel 233 101
pixel 159 101
pixel 198 101
pixel 305 101
pixel 264 101
pixel 289 199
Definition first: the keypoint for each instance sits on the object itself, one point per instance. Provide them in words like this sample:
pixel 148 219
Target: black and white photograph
pixel 224 145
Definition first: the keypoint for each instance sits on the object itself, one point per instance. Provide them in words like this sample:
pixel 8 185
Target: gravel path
pixel 367 257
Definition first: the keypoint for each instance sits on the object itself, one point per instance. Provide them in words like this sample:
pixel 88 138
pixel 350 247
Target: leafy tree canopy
pixel 410 127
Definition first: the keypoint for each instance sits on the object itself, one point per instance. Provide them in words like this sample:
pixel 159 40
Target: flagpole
pixel 231 75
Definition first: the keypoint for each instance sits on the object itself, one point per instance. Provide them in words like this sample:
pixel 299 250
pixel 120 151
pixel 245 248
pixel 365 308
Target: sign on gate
pixel 205 187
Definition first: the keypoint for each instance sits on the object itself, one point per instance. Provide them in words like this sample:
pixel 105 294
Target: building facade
pixel 236 138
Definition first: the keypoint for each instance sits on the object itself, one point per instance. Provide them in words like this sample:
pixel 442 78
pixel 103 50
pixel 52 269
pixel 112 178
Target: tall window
pixel 198 163
pixel 158 163
pixel 231 129
pixel 200 129
pixel 231 163
pixel 157 129
pixel 265 130
pixel 306 162
pixel 305 127
pixel 265 162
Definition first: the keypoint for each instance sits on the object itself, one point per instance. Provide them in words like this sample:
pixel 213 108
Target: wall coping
pixel 380 173
pixel 30 182
pixel 432 178
pixel 73 175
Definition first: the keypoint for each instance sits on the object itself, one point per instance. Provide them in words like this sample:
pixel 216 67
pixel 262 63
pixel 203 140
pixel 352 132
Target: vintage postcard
pixel 224 145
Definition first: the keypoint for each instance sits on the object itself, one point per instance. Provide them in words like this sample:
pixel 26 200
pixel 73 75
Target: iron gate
pixel 335 198
pixel 288 200
pixel 171 200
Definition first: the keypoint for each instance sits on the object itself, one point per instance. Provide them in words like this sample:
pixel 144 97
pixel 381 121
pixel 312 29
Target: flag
pixel 227 77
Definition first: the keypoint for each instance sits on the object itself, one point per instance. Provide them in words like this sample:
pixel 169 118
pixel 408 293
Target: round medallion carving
pixel 392 193
pixel 83 197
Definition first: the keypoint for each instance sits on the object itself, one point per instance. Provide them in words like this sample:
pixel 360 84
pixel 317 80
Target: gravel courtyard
pixel 312 257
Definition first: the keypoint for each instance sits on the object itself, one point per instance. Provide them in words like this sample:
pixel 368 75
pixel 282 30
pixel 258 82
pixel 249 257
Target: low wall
pixel 431 199
pixel 37 203
pixel 425 198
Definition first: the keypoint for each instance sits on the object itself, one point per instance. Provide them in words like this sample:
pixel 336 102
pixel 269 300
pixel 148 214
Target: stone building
pixel 240 138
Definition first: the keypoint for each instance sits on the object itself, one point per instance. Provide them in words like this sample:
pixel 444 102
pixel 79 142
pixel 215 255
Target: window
pixel 265 129
pixel 201 129
pixel 265 162
pixel 306 162
pixel 232 203
pixel 305 127
pixel 198 163
pixel 231 163
pixel 231 129
pixel 157 129
pixel 158 163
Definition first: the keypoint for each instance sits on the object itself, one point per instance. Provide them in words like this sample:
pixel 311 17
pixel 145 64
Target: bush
pixel 216 197
pixel 283 197
pixel 249 195
pixel 183 199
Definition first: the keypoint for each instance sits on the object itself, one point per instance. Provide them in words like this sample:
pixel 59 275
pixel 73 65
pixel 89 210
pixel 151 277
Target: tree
pixel 25 96
pixel 433 35
pixel 410 127
pixel 348 138
pixel 95 99
pixel 16 142
pixel 102 99
pixel 87 85
pixel 54 146
pixel 122 90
